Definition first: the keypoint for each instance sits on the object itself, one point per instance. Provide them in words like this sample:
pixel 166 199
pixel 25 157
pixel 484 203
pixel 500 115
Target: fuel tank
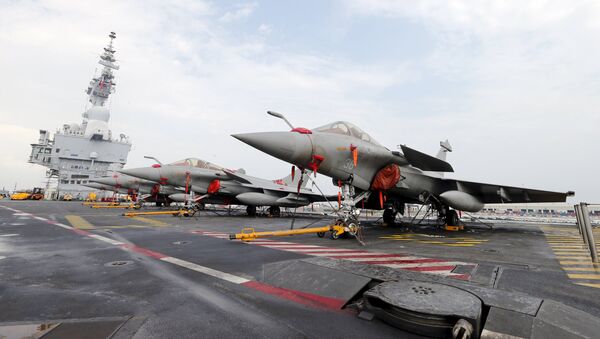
pixel 461 201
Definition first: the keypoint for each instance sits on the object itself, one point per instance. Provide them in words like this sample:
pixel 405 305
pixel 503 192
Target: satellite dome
pixel 74 127
pixel 98 113
pixel 97 128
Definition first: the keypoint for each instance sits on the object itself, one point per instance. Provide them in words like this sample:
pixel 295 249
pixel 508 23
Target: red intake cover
pixel 386 178
pixel 214 186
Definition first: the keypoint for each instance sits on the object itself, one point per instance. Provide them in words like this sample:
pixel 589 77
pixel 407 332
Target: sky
pixel 514 86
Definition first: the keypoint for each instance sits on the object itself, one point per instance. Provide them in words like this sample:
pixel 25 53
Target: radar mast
pixel 101 87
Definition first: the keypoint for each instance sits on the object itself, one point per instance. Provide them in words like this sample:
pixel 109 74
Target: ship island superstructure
pixel 78 152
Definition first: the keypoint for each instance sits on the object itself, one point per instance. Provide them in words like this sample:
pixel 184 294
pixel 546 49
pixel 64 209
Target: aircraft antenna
pixel 280 116
pixel 153 158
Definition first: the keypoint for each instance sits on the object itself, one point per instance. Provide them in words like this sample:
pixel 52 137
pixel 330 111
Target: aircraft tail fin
pixel 288 181
pixel 445 147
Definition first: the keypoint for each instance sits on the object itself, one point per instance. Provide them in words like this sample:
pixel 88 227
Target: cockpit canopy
pixel 195 162
pixel 344 127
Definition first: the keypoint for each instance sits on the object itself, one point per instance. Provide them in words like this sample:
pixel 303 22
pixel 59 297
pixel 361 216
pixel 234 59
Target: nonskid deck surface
pixel 181 277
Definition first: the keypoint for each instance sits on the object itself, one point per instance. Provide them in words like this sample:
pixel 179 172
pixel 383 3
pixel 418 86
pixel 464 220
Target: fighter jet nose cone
pixel 292 147
pixel 147 173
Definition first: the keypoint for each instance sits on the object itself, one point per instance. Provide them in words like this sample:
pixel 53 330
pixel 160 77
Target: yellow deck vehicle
pixel 20 196
pixel 36 194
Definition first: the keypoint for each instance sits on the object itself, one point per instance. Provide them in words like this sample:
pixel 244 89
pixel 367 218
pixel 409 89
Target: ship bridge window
pixel 346 128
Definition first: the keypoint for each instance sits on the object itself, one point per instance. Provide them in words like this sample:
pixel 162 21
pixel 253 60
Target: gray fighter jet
pixel 107 188
pixel 369 174
pixel 140 189
pixel 215 184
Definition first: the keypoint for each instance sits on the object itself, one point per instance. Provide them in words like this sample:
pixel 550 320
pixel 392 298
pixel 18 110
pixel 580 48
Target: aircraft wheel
pixel 274 211
pixel 251 211
pixel 452 218
pixel 353 228
pixel 334 235
pixel 389 216
pixel 320 234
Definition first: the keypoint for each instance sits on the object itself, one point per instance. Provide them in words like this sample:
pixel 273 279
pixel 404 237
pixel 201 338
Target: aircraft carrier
pixel 71 271
pixel 78 152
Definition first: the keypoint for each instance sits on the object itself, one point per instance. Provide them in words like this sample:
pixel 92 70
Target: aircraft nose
pixel 148 173
pixel 291 147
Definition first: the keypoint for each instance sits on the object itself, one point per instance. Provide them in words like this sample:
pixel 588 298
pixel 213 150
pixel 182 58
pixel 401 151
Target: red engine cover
pixel 386 178
pixel 214 186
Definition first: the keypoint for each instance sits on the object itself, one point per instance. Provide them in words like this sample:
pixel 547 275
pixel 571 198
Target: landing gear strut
pixel 451 217
pixel 348 212
pixel 389 216
pixel 251 211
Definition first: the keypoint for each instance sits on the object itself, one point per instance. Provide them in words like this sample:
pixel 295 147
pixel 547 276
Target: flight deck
pixel 67 268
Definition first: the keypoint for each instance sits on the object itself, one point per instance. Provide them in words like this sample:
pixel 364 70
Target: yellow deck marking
pixel 78 222
pixel 575 262
pixel 150 221
pixel 589 285
pixel 567 247
pixel 585 276
pixel 439 241
pixel 573 256
pixel 587 269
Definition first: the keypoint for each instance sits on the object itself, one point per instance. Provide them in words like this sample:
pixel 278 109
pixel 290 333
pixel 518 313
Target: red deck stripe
pixel 304 298
pixel 461 276
pixel 317 251
pixel 144 251
pixel 347 256
pixel 78 231
pixel 430 268
pixel 412 261
pixel 286 247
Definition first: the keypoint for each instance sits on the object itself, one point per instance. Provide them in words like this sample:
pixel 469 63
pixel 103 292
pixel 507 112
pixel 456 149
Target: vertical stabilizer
pixel 445 147
pixel 287 181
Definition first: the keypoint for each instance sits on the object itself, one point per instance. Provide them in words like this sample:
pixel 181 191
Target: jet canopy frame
pixel 347 128
pixel 195 162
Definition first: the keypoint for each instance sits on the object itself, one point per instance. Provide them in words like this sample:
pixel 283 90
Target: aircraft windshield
pixel 344 127
pixel 195 162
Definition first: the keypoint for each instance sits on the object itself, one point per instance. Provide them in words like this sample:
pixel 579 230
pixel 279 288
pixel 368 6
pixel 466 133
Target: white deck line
pixel 205 270
pixel 105 239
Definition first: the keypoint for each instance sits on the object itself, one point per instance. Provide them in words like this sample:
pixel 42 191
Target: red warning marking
pixel 412 261
pixel 318 251
pixel 430 268
pixel 304 298
pixel 78 231
pixel 144 251
pixel 349 256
